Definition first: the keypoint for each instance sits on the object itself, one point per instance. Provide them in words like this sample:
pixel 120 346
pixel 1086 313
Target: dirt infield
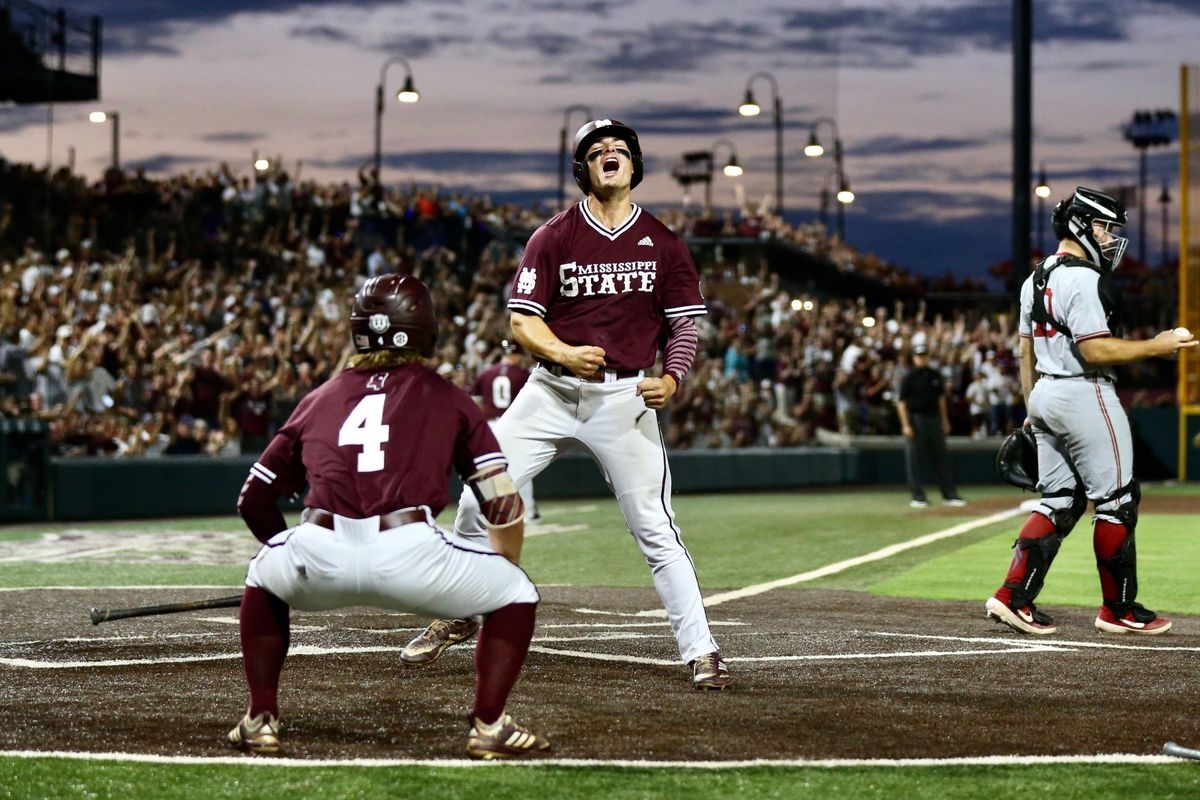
pixel 820 674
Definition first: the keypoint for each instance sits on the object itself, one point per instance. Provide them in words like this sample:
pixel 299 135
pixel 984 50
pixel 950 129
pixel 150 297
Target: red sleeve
pixel 258 509
pixel 279 472
pixel 680 351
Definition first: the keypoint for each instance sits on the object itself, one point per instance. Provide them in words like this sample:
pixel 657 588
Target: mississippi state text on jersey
pixel 608 288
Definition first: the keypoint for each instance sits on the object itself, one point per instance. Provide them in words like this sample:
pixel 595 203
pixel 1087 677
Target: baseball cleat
pixel 429 645
pixel 1137 619
pixel 709 673
pixel 259 736
pixel 503 739
pixel 1026 619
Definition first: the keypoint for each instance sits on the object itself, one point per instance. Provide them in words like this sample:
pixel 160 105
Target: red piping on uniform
pixel 1112 436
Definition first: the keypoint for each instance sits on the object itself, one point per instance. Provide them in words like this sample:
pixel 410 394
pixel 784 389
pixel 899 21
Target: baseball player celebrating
pixel 598 286
pixel 374 446
pixel 494 389
pixel 1084 447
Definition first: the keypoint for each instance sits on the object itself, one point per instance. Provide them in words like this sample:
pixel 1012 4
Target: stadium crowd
pixel 189 315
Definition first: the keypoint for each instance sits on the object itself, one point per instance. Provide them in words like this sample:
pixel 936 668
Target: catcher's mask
pixel 1093 219
pixel 1016 461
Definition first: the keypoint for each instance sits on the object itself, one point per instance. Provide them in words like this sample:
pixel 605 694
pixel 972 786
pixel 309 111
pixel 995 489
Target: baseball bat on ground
pixel 105 614
pixel 1179 751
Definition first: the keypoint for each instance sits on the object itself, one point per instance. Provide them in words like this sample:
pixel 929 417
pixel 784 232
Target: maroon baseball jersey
pixel 371 441
pixel 607 288
pixel 497 385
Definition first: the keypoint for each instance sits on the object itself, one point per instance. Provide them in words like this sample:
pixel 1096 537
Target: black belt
pixel 1088 377
pixel 559 371
pixel 395 519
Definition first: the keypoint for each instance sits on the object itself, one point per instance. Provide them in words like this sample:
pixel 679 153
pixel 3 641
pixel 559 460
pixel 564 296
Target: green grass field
pixel 736 541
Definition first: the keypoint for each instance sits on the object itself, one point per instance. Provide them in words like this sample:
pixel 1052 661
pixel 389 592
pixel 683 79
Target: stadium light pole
pixel 100 117
pixel 823 215
pixel 750 108
pixel 1148 129
pixel 844 198
pixel 408 94
pixel 814 149
pixel 562 152
pixel 1042 190
pixel 732 168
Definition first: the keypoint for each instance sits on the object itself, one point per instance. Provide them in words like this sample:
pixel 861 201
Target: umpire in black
pixel 925 421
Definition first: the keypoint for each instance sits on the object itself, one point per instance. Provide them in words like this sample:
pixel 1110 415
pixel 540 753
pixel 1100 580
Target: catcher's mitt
pixel 1017 459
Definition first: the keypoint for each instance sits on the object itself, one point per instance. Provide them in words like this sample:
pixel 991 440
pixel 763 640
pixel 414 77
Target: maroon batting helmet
pixel 598 129
pixel 393 312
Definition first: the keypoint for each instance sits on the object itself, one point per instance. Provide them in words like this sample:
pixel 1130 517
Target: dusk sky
pixel 921 93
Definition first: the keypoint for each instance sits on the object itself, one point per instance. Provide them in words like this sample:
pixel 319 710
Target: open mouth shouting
pixel 609 160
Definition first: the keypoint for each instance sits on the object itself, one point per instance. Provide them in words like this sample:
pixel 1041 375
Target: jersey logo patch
pixel 646 242
pixel 527 280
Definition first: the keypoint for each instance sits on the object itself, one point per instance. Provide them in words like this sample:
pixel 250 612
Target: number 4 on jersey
pixel 364 428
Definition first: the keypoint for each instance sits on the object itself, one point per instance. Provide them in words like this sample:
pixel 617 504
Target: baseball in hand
pixel 1181 331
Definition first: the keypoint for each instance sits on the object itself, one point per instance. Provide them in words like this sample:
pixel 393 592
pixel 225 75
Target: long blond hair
pixel 379 359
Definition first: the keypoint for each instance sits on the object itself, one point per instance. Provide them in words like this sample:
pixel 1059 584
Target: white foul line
pixel 842 566
pixel 1043 643
pixel 258 762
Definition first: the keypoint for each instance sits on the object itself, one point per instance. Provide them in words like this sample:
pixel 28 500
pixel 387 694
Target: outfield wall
pixel 93 488
pixel 37 487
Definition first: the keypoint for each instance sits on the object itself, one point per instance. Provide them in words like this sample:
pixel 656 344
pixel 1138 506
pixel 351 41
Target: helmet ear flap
pixel 579 170
pixel 1059 219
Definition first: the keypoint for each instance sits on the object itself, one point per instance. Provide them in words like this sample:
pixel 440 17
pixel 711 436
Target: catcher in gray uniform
pixel 1069 345
pixel 597 289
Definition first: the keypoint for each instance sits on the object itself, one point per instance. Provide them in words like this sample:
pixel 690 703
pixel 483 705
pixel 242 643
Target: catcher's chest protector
pixel 1110 295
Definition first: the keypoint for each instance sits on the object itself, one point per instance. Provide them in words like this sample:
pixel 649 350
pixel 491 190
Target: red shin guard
pixel 1107 540
pixel 1037 526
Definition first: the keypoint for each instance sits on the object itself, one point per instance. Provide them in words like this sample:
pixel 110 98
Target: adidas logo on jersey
pixel 647 241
